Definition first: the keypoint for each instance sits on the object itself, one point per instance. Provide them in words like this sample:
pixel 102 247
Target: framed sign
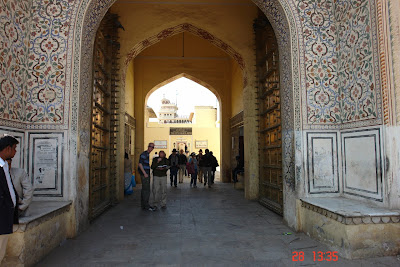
pixel 158 144
pixel 180 131
pixel 45 163
pixel 201 143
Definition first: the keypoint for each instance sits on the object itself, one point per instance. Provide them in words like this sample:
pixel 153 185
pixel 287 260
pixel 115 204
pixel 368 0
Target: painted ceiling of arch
pixel 342 84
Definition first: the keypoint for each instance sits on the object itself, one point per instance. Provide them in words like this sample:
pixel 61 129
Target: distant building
pixel 168 113
pixel 199 130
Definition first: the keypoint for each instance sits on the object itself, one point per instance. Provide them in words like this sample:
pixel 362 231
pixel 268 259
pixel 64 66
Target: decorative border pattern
pixel 351 220
pixel 237 120
pixel 285 22
pixel 129 120
pixel 186 27
pixel 381 7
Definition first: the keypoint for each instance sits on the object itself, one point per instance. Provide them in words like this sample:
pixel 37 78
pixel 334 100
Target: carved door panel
pixel 270 130
pixel 104 120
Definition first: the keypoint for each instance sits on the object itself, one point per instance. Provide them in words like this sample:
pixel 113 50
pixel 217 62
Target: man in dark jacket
pixel 207 167
pixel 173 171
pixel 8 195
pixel 182 160
pixel 160 166
pixel 214 165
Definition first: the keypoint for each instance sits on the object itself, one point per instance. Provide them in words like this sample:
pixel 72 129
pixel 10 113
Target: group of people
pixel 16 191
pixel 197 167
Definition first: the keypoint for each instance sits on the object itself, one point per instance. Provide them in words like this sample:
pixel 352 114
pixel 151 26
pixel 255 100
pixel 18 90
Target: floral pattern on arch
pixel 47 57
pixel 14 19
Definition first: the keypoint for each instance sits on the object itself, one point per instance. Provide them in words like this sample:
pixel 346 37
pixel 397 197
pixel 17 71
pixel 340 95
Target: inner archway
pixel 184 112
pixel 188 55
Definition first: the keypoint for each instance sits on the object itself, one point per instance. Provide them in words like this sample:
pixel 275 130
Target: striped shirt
pixel 144 159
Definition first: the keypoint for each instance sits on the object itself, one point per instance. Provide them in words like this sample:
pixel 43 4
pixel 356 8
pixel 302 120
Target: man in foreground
pixel 160 166
pixel 8 196
pixel 144 171
pixel 24 188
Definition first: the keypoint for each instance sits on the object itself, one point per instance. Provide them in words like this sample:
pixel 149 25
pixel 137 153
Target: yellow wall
pixel 204 127
pixel 129 91
pixel 205 116
pixel 152 69
pixel 237 89
pixel 156 131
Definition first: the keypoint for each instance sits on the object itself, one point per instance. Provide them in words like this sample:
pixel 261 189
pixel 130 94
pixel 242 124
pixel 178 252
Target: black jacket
pixel 206 160
pixel 182 159
pixel 8 213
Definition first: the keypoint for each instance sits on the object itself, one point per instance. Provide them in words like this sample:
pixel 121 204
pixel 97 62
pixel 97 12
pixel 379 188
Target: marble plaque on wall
pixel 45 163
pixel 322 162
pixel 201 143
pixel 18 160
pixel 362 163
pixel 160 144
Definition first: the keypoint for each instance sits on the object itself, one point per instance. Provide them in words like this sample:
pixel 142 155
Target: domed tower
pixel 168 111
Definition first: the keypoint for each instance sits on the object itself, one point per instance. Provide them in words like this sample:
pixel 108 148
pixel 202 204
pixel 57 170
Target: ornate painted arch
pixel 187 27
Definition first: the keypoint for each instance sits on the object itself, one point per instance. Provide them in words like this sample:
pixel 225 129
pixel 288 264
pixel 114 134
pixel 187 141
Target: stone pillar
pixel 251 144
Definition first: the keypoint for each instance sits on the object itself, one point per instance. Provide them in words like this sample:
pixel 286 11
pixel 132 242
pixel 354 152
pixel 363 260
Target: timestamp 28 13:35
pixel 317 256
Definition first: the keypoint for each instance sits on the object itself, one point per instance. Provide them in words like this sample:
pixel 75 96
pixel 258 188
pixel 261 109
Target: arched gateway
pixel 339 163
pixel 90 14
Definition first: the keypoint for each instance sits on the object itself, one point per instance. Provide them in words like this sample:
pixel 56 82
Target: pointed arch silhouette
pixel 190 77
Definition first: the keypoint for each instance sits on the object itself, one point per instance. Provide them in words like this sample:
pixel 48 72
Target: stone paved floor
pixel 200 227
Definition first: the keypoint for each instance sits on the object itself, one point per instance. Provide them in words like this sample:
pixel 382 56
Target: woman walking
pixel 192 169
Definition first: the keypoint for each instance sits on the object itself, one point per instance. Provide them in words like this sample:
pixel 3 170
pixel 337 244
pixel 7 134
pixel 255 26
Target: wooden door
pixel 270 129
pixel 102 185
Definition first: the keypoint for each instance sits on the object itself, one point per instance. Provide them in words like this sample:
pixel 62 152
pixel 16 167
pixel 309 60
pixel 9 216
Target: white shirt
pixel 4 165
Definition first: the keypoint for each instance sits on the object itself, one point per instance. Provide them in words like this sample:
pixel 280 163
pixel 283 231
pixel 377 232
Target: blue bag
pixel 133 183
pixel 128 184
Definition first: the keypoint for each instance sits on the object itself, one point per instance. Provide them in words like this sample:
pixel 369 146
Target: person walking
pixel 199 164
pixel 239 168
pixel 23 187
pixel 182 165
pixel 8 195
pixel 127 173
pixel 206 164
pixel 160 166
pixel 144 171
pixel 192 169
pixel 214 165
pixel 187 159
pixel 173 171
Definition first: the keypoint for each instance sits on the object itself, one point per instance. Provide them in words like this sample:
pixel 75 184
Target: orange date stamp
pixel 317 256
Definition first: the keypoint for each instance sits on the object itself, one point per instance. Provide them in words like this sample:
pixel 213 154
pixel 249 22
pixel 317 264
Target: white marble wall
pixel 346 162
pixel 41 154
pixel 362 163
pixel 322 162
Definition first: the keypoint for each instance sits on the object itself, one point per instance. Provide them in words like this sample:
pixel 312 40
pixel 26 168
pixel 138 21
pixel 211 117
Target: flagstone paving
pixel 200 227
